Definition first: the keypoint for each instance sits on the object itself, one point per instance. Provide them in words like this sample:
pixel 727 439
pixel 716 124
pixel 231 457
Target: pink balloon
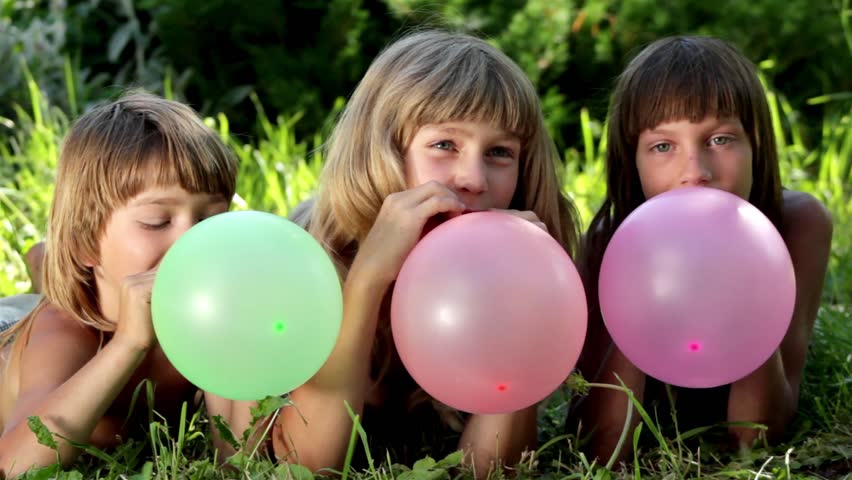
pixel 488 313
pixel 697 287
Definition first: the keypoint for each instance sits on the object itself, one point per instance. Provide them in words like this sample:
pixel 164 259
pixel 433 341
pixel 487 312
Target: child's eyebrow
pixel 659 131
pixel 454 131
pixel 729 122
pixel 167 201
pixel 507 136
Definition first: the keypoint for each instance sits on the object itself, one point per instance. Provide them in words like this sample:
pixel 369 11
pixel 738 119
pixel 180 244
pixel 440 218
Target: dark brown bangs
pixel 684 82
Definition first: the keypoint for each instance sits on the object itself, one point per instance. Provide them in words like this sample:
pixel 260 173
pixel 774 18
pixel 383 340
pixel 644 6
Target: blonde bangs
pixel 471 87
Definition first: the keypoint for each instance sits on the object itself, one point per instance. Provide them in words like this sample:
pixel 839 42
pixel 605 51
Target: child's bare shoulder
pixel 54 327
pixel 806 220
pixel 803 210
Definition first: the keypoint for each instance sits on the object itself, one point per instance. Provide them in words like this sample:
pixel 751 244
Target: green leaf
pixel 201 470
pixel 44 473
pixel 119 40
pixel 636 435
pixel 356 425
pixel 350 450
pixel 292 471
pixel 425 463
pixel 602 474
pixel 239 460
pixel 267 407
pixel 693 432
pixel 133 398
pixel 452 460
pixel 91 450
pixel 181 440
pixel 146 473
pixel 44 436
pixel 263 410
pixel 225 431
pixel 439 474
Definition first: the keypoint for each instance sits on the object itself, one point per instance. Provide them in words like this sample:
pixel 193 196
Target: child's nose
pixel 469 175
pixel 696 171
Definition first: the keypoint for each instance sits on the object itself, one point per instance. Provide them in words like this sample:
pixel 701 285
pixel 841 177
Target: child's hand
pixel 527 215
pixel 398 228
pixel 134 318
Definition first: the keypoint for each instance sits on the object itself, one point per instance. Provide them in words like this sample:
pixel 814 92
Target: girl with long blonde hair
pixel 441 124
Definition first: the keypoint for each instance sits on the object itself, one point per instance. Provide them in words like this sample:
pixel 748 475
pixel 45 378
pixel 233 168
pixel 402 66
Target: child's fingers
pixel 413 196
pixel 430 189
pixel 400 204
pixel 420 203
pixel 439 204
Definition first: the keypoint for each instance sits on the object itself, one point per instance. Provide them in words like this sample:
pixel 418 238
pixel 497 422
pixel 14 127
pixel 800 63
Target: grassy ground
pixel 279 170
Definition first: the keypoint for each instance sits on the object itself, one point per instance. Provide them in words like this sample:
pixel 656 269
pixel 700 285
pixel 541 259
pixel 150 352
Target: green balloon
pixel 247 304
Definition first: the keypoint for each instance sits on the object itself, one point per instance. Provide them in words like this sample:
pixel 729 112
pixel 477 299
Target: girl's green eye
pixel 662 147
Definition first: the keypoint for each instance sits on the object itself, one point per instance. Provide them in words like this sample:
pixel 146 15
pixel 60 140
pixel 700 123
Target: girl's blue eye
pixel 662 147
pixel 443 145
pixel 721 140
pixel 501 152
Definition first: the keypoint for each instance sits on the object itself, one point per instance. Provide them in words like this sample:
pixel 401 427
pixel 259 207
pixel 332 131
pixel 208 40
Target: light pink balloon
pixel 697 287
pixel 488 313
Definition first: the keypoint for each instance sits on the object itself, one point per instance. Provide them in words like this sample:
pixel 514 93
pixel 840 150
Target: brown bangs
pixel 147 147
pixel 681 84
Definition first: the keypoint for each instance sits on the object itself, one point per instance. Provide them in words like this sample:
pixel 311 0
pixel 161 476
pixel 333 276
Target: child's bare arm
pixel 770 394
pixel 66 382
pixel 603 411
pixel 491 439
pixel 807 233
pixel 312 431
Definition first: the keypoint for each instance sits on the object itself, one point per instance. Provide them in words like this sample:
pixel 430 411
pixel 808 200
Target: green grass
pixel 279 170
